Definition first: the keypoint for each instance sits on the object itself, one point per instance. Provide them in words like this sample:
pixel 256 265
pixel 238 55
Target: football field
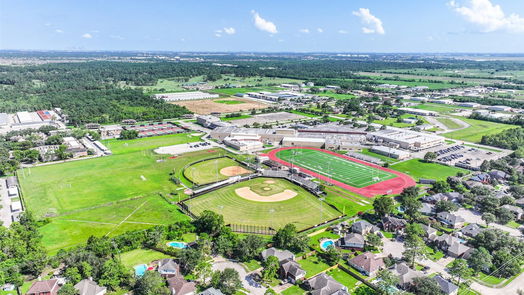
pixel 338 168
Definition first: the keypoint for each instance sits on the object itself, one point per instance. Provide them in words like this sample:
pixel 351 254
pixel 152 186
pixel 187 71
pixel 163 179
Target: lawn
pixel 208 171
pixel 304 114
pixel 228 101
pixel 434 256
pixel 294 290
pixel 477 129
pixel 417 169
pixel 449 123
pixel 336 95
pixel 344 278
pixel 334 167
pixel 439 108
pixel 140 256
pixel 235 118
pixel 303 210
pixel 118 146
pixel 314 240
pixel 313 265
pixel 347 202
pixel 384 158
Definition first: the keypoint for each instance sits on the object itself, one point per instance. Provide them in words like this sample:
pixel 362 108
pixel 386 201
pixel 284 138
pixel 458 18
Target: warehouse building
pixel 178 96
pixel 303 142
pixel 391 152
pixel 244 143
pixel 499 108
pixel 406 139
pixel 269 136
pixel 418 112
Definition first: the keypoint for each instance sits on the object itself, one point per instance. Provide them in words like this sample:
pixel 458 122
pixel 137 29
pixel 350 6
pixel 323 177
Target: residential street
pixel 254 288
pixel 475 217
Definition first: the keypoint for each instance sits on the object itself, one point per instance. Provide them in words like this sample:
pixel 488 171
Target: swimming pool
pixel 325 244
pixel 140 270
pixel 179 245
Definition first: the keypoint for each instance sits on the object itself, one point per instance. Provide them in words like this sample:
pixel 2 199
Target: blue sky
pixel 269 25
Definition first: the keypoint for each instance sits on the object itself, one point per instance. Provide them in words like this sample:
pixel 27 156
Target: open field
pixel 340 169
pixel 118 146
pixel 336 95
pixel 417 169
pixel 477 129
pixel 424 75
pixel 439 108
pixel 209 171
pixel 449 123
pixel 140 256
pixel 303 210
pixel 207 106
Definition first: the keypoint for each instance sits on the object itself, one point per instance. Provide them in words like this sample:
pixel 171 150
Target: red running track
pixel 395 185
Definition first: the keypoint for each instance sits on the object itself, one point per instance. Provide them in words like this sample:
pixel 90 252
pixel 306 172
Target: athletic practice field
pixel 265 202
pixel 213 170
pixel 352 174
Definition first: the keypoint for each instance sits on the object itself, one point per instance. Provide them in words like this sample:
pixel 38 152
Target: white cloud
pixel 342 32
pixel 262 24
pixel 489 17
pixel 305 31
pixel 59 31
pixel 372 24
pixel 320 30
pixel 230 30
pixel 87 36
pixel 218 35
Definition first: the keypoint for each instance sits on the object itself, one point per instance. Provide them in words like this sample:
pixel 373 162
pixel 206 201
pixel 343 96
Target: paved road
pixel 248 283
pixel 476 217
pixel 509 289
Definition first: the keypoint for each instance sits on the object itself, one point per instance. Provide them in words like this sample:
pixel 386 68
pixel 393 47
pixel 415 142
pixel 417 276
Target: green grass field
pixel 417 169
pixel 303 210
pixel 107 195
pixel 337 168
pixel 449 123
pixel 477 129
pixel 140 256
pixel 208 171
pixel 228 101
pixel 245 116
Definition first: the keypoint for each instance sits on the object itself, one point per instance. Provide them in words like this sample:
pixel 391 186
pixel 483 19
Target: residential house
pixel 452 245
pixel 517 211
pixel 393 224
pixel 47 287
pixel 178 285
pixel 481 177
pixel 323 284
pixel 168 267
pixel 447 287
pixel 280 254
pixel 498 175
pixel 363 227
pixel 211 291
pixel 451 220
pixel 352 241
pixel 367 263
pixel 89 287
pixel 427 209
pixel 430 234
pixel 452 196
pixel 471 230
pixel 520 202
pixel 457 250
pixel 406 275
pixel 291 271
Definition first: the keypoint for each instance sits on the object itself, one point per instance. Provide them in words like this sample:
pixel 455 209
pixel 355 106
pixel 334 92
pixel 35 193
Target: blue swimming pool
pixel 140 270
pixel 179 245
pixel 325 244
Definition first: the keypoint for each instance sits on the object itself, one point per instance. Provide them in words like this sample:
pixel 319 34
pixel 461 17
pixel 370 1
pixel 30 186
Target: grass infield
pixel 304 210
pixel 208 171
pixel 337 168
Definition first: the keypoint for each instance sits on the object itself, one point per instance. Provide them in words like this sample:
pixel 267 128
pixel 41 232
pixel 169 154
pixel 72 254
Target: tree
pixel 209 222
pixel 459 269
pixel 414 243
pixel 203 271
pixel 488 218
pixel 228 281
pixel 410 202
pixel 426 286
pixel 288 238
pixel 484 167
pixel 383 205
pixel 506 265
pixel 480 260
pixel 504 215
pixel 374 240
pixel 430 157
pixel 128 134
pixel 271 266
pixel 249 247
pixel 446 206
pixel 332 255
pixel 151 283
pixel 386 281
pixel 73 275
pixel 441 186
pixel 113 274
pixel 68 289
pixel 189 258
pixel 489 204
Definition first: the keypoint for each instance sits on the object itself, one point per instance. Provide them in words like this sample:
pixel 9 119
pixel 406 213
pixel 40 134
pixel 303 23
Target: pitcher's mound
pixel 233 171
pixel 248 194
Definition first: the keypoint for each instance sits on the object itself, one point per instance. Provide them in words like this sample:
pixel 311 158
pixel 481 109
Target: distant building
pixel 499 108
pixel 406 139
pixel 390 152
pixel 418 112
pixel 179 96
pixel 303 142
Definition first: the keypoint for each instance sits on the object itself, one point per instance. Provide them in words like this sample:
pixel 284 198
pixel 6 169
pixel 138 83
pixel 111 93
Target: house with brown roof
pixel 178 285
pixel 406 275
pixel 393 224
pixel 367 263
pixel 48 287
pixel 323 284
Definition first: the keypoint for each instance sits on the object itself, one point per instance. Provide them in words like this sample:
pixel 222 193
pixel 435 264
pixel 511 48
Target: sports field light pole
pixel 321 209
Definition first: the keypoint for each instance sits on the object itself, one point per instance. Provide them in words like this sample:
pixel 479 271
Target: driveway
pixel 395 248
pixel 475 217
pixel 5 204
pixel 247 282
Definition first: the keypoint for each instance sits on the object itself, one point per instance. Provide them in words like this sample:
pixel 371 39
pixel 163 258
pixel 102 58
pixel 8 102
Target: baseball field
pixel 265 202
pixel 214 170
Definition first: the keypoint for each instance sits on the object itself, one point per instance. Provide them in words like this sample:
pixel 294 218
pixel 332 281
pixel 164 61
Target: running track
pixel 396 185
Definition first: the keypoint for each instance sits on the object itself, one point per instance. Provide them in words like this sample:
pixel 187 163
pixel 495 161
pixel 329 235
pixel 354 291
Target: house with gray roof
pixel 324 284
pixel 451 220
pixel 211 291
pixel 471 230
pixel 178 285
pixel 446 286
pixel 406 275
pixel 427 209
pixel 352 241
pixel 168 267
pixel 363 227
pixel 291 271
pixel 429 233
pixel 89 287
pixel 517 211
pixel 280 254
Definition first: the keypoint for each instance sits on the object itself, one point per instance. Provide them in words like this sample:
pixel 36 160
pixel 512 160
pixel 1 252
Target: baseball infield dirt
pixel 248 194
pixel 233 171
pixel 207 106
